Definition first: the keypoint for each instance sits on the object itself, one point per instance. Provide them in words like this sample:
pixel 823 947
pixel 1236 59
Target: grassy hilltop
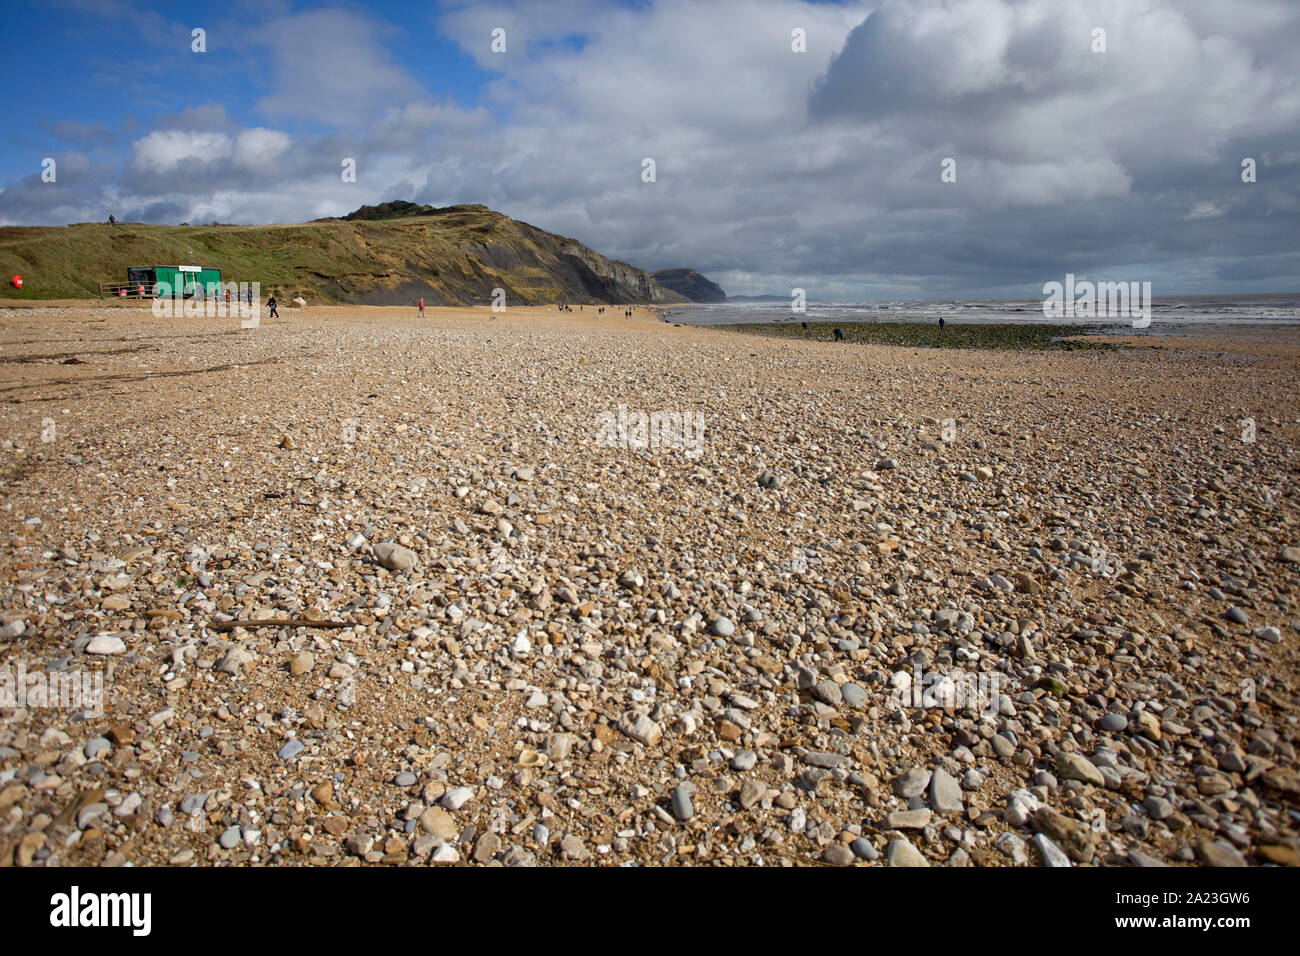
pixel 378 255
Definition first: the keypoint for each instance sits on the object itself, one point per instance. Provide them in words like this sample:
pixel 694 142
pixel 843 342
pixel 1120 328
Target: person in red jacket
pixel 422 308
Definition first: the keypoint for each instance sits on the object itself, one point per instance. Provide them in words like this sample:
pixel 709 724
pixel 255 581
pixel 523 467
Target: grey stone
pixel 902 853
pixel 640 728
pixel 828 692
pixel 912 783
pixel 683 808
pixel 290 749
pixel 90 813
pixel 193 803
pixel 1158 808
pixel 837 854
pixel 106 644
pixel 862 847
pixel 854 696
pixel 457 797
pixel 827 761
pixel 945 793
pixel 1217 853
pixel 1077 767
pixel 1052 854
pixel 1138 858
pixel 394 557
pixel 743 761
pixel 751 792
pixel 907 819
pixel 1113 723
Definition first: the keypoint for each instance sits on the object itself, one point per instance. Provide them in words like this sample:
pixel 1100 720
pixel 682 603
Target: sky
pixel 881 150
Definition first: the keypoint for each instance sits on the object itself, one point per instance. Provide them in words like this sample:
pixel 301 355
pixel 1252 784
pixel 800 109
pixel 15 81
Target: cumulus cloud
pixel 260 148
pixel 164 150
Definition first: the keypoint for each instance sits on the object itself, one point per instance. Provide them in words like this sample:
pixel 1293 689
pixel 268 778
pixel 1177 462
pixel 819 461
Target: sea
pixel 1170 315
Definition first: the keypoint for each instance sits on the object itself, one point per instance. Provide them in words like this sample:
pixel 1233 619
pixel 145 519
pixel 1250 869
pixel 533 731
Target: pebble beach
pixel 546 588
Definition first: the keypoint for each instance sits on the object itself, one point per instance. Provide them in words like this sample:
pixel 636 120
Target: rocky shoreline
pixel 363 589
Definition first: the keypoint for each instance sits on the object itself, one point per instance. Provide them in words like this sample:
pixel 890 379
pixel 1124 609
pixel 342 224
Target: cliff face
pixel 390 254
pixel 614 275
pixel 691 285
pixel 494 251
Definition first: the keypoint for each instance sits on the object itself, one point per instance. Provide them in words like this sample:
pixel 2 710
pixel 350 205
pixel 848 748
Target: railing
pixel 124 290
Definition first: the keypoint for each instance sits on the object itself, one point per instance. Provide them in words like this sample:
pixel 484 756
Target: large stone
pixel 233 661
pixel 1214 853
pixel 1076 767
pixel 945 793
pixel 394 557
pixel 1050 852
pixel 828 692
pixel 912 783
pixel 907 819
pixel 439 823
pixel 902 853
pixel 640 728
pixel 290 749
pixel 488 845
pixel 457 797
pixel 751 792
pixel 854 695
pixel 683 808
pixel 837 854
pixel 106 644
pixel 1077 839
pixel 722 627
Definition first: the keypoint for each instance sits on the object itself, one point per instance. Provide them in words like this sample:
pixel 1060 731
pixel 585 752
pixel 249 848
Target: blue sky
pixel 779 164
pixel 112 68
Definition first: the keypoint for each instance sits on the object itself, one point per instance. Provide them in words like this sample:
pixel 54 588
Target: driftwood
pixel 276 622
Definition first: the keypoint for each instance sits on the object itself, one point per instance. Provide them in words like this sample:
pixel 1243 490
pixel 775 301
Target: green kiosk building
pixel 191 280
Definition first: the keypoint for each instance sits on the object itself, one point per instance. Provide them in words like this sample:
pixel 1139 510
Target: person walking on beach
pixel 250 296
pixel 421 308
pixel 270 304
pixel 941 323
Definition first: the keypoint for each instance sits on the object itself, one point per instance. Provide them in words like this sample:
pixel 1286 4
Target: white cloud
pixel 259 148
pixel 164 150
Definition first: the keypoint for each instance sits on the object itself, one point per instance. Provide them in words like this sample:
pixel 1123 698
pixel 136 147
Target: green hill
pixel 378 255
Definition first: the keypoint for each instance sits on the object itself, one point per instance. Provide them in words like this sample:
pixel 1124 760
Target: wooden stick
pixel 276 622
